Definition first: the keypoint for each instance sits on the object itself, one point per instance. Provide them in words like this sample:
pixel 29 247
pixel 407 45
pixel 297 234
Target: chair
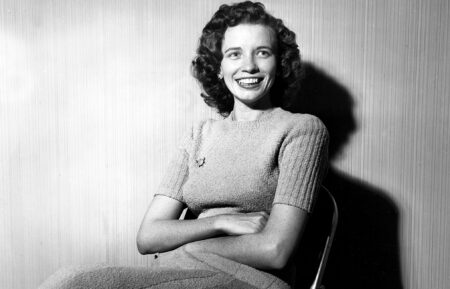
pixel 314 248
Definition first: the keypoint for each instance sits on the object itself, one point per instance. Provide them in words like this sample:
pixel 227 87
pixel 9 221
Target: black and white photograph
pixel 273 144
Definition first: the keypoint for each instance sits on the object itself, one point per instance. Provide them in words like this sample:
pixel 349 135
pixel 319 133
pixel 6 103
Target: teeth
pixel 248 80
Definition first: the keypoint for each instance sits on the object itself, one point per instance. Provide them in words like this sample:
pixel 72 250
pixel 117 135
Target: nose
pixel 249 65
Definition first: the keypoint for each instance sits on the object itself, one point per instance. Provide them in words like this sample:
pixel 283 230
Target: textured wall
pixel 95 94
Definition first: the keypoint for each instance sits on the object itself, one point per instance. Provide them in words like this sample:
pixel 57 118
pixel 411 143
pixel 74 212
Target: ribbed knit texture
pixel 244 166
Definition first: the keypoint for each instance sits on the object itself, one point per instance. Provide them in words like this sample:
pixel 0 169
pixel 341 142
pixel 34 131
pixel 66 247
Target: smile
pixel 249 82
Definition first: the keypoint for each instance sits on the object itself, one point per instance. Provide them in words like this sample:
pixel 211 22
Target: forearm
pixel 269 248
pixel 165 235
pixel 256 250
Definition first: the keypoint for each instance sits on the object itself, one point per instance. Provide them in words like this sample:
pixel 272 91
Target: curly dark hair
pixel 206 64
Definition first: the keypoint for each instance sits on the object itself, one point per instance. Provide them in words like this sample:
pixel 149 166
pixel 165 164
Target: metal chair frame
pixel 317 284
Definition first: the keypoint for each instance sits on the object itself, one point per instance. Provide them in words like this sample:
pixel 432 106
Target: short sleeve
pixel 177 171
pixel 302 161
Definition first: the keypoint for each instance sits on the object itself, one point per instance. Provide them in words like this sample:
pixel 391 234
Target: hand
pixel 242 223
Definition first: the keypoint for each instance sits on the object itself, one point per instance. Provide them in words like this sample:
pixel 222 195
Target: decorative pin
pixel 200 162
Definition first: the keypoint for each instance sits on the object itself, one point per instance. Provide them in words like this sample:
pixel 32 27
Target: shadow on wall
pixel 365 253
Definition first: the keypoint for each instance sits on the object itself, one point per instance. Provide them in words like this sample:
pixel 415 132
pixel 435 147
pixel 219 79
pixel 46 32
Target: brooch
pixel 200 162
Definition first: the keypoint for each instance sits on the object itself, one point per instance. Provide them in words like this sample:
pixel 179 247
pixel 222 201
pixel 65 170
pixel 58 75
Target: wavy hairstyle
pixel 206 64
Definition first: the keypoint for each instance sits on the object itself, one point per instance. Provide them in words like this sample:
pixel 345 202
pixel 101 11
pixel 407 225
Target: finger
pixel 261 213
pixel 264 213
pixel 265 217
pixel 265 220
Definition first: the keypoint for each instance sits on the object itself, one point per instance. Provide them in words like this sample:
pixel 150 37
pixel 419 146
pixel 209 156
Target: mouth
pixel 249 82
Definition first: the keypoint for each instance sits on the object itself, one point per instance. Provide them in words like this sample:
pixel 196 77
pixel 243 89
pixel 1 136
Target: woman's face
pixel 249 63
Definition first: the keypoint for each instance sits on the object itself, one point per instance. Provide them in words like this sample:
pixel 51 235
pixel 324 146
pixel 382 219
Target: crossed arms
pixel 256 239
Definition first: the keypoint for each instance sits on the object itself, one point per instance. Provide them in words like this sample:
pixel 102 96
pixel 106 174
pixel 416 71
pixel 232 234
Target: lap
pixel 175 269
pixel 111 277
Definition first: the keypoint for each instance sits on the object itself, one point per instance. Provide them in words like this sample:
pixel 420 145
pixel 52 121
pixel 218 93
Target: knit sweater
pixel 226 166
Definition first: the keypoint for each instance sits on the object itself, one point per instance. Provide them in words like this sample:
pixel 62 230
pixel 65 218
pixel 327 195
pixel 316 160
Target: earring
pixel 220 76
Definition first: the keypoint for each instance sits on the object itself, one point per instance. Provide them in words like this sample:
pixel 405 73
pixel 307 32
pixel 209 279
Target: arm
pixel 267 249
pixel 161 230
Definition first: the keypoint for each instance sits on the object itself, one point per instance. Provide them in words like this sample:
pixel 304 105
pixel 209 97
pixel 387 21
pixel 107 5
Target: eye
pixel 264 53
pixel 233 54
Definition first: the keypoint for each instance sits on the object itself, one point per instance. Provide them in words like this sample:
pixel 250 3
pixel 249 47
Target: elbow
pixel 278 256
pixel 144 244
pixel 141 249
pixel 140 246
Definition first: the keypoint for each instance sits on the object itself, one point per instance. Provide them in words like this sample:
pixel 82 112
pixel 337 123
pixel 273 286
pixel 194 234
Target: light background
pixel 94 96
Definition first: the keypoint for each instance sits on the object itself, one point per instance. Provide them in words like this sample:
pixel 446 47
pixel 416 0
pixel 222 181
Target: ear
pixel 220 74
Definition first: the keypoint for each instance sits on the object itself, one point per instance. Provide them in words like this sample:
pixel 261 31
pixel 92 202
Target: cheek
pixel 229 82
pixel 226 67
pixel 269 67
pixel 273 68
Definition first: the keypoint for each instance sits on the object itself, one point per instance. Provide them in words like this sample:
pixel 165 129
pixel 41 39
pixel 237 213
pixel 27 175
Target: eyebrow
pixel 265 47
pixel 232 48
pixel 259 47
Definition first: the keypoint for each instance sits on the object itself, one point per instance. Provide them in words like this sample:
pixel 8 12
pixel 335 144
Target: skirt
pixel 175 269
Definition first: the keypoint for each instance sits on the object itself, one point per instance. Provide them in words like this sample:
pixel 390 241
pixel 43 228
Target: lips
pixel 249 82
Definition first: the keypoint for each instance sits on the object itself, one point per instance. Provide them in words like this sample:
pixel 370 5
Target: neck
pixel 243 112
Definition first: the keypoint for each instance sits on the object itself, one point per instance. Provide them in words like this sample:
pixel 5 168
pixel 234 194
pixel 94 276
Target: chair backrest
pixel 314 248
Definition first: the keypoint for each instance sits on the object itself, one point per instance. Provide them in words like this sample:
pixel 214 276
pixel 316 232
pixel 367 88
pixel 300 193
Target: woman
pixel 250 179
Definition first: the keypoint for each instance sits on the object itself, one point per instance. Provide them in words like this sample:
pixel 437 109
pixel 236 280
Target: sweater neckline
pixel 264 116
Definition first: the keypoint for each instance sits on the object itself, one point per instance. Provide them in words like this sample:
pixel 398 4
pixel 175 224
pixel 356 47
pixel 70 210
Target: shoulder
pixel 200 130
pixel 193 132
pixel 202 127
pixel 295 123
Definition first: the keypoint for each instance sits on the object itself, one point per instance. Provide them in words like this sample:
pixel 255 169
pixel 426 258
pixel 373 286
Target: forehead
pixel 249 35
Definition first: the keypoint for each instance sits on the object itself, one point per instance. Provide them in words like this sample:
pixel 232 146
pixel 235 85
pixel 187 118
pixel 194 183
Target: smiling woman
pixel 211 57
pixel 249 64
pixel 250 180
